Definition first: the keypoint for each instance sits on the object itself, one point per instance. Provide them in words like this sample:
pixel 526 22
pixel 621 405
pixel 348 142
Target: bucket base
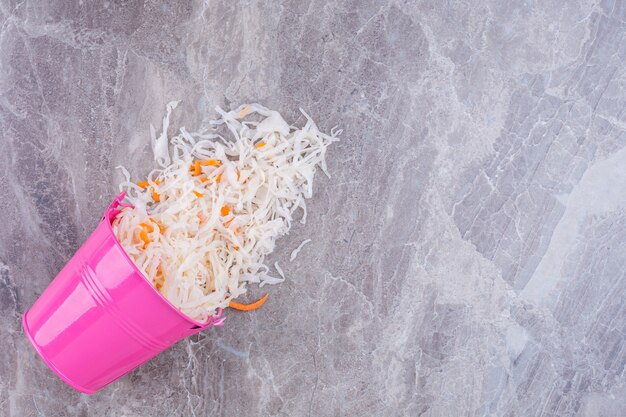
pixel 48 363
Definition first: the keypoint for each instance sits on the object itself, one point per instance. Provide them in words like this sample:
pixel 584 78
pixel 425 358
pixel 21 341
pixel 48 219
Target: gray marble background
pixel 468 255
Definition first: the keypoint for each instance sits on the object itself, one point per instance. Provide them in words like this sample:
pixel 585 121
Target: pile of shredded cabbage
pixel 201 225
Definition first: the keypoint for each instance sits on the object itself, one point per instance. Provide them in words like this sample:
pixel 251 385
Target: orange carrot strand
pixel 143 235
pixel 248 307
pixel 211 162
pixel 244 111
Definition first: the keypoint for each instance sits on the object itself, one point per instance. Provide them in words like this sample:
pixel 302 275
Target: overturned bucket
pixel 100 318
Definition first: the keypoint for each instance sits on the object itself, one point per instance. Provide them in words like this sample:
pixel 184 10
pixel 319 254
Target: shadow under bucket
pixel 100 318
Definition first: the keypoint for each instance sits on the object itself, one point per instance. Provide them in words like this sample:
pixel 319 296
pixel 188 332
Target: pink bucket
pixel 100 318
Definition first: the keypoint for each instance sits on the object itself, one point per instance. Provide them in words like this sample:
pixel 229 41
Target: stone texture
pixel 468 255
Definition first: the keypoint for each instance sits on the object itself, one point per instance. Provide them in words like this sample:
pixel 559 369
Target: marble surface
pixel 468 255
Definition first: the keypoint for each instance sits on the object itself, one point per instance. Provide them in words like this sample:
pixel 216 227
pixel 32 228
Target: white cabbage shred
pixel 297 250
pixel 207 235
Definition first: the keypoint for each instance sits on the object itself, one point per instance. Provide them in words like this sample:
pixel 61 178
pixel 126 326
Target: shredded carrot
pixel 236 230
pixel 199 195
pixel 218 179
pixel 225 210
pixel 204 179
pixel 145 184
pixel 259 145
pixel 211 162
pixel 159 279
pixel 161 227
pixel 229 222
pixel 238 175
pixel 244 111
pixel 143 235
pixel 236 247
pixel 248 307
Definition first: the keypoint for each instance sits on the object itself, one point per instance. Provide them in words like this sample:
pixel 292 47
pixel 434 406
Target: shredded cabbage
pixel 297 250
pixel 199 239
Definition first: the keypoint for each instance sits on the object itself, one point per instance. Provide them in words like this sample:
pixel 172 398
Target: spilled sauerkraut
pixel 201 225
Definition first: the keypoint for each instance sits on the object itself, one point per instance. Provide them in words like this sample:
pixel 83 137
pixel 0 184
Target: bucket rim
pixel 111 212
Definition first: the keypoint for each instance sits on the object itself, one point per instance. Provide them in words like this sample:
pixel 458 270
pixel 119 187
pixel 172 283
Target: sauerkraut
pixel 202 223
